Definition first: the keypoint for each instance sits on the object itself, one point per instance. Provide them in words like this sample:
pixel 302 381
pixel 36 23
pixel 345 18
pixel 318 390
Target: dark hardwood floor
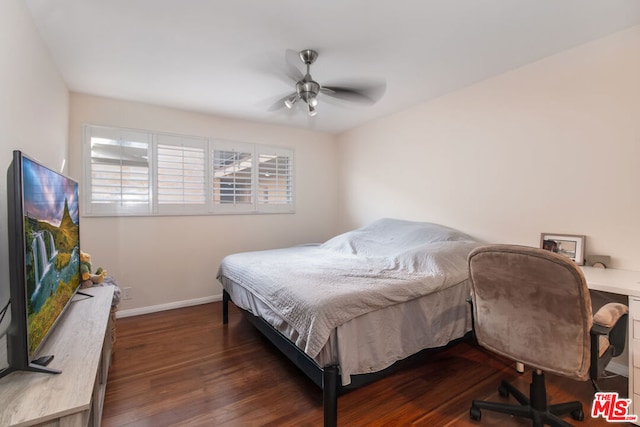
pixel 185 368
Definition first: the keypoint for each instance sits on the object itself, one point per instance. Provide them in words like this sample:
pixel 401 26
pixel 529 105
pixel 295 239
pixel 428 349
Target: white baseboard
pixel 169 306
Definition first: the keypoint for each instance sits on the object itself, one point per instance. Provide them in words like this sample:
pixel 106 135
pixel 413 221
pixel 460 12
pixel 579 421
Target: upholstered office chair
pixel 533 306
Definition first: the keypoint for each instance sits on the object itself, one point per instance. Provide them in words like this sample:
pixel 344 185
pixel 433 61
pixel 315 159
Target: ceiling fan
pixel 308 89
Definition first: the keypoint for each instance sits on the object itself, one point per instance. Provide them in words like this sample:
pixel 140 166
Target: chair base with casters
pixel 534 408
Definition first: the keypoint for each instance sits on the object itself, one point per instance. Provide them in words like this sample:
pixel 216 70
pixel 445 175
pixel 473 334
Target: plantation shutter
pixel 181 174
pixel 119 180
pixel 275 180
pixel 137 172
pixel 233 177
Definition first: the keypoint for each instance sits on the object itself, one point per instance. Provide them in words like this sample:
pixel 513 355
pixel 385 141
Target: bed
pixel 349 308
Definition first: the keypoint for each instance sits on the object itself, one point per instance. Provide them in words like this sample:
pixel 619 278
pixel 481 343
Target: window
pixel 233 179
pixel 274 179
pixel 131 172
pixel 119 172
pixel 181 174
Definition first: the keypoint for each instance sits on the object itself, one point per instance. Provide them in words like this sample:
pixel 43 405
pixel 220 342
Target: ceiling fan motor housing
pixel 308 90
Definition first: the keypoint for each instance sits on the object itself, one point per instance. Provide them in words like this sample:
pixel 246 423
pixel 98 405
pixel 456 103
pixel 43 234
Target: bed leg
pixel 330 395
pixel 225 307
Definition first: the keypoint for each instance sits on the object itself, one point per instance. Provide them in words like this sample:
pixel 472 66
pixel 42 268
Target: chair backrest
pixel 533 306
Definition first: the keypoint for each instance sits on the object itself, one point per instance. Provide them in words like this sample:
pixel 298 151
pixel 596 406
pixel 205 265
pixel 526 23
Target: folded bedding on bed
pixel 316 288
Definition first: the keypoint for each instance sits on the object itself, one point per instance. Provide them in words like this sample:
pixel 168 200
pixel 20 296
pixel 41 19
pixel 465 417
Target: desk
pixel 627 283
pixel 622 282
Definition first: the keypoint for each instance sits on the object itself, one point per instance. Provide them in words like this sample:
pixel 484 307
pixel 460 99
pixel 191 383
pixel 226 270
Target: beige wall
pixel 553 146
pixel 33 110
pixel 174 259
pixel 550 147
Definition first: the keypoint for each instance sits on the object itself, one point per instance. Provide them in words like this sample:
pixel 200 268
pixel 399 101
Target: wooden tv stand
pixel 81 345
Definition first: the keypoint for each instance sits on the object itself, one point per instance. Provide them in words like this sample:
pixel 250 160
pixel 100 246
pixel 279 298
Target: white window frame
pixel 209 207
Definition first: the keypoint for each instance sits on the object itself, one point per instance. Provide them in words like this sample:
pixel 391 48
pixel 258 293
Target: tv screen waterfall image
pixel 52 246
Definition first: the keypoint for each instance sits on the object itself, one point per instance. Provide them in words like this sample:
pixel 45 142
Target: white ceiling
pixel 228 57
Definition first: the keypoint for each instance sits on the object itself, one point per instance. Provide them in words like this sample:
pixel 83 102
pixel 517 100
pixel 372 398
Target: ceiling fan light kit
pixel 308 89
pixel 312 110
pixel 290 101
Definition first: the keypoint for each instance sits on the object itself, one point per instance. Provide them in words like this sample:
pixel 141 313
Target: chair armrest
pixel 611 320
pixel 608 315
pixel 599 330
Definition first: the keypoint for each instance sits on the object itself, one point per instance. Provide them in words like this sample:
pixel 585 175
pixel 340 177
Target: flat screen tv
pixel 44 258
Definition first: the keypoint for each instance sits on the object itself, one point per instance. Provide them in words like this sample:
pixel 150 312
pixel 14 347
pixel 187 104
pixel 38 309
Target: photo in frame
pixel 569 245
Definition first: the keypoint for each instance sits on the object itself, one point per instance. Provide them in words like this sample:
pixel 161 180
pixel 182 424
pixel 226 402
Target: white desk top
pixel 624 282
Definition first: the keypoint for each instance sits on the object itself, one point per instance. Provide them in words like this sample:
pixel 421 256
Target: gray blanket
pixel 316 288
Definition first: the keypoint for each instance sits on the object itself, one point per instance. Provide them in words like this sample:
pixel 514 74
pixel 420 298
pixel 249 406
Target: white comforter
pixel 316 288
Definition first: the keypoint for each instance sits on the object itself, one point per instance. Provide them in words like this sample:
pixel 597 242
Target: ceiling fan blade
pixel 291 63
pixel 363 93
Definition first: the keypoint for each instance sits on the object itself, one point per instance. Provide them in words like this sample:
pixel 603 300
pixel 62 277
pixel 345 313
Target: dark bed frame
pixel 327 377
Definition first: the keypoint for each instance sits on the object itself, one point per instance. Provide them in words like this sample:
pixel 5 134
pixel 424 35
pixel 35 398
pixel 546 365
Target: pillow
pixel 387 236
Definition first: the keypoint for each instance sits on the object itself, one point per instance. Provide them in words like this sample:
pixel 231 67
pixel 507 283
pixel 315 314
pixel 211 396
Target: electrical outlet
pixel 127 293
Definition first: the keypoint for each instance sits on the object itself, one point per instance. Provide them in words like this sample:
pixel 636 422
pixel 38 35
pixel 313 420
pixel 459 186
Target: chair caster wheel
pixel 577 415
pixel 474 413
pixel 503 391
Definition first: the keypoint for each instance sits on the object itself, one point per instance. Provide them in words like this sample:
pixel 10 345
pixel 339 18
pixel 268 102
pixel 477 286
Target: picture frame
pixel 569 245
